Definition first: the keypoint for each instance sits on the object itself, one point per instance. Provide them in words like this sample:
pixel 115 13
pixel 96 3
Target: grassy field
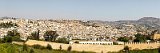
pixel 13 48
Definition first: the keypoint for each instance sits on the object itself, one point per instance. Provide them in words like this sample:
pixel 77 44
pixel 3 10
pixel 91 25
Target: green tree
pixel 124 39
pixel 140 38
pixel 14 35
pixel 7 39
pixel 50 35
pixel 35 35
pixel 8 25
pixel 62 40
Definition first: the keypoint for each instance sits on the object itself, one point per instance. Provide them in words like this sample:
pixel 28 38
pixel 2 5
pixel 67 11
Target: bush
pixel 124 39
pixel 115 43
pixel 16 38
pixel 31 51
pixel 76 41
pixel 25 47
pixel 49 47
pixel 7 39
pixel 1 40
pixel 140 38
pixel 36 46
pixel 14 48
pixel 14 35
pixel 126 48
pixel 62 40
pixel 60 47
pixel 69 48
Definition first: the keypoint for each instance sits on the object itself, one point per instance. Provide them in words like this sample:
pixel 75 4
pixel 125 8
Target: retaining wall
pixel 95 48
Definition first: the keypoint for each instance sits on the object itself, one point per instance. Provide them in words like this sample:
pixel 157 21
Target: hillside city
pixel 75 29
pixel 80 33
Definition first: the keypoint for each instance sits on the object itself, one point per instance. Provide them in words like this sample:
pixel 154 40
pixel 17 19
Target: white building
pixel 96 42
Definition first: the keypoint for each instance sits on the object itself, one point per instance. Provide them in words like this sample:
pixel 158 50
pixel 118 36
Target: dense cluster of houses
pixel 73 28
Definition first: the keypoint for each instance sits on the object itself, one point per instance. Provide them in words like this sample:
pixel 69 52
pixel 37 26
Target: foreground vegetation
pixel 139 51
pixel 13 48
pixel 6 45
pixel 126 50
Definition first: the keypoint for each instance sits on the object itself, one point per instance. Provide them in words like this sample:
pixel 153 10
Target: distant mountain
pixel 8 18
pixel 148 22
pixel 151 23
pixel 149 19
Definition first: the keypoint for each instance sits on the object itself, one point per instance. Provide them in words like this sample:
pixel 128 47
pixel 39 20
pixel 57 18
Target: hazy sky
pixel 80 9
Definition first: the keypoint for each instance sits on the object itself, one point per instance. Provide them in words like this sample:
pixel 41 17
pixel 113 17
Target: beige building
pixel 156 36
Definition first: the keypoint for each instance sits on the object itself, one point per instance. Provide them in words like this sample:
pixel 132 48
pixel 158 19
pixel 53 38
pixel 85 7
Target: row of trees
pixel 11 36
pixel 138 38
pixel 7 25
pixel 49 47
pixel 49 36
pixel 14 48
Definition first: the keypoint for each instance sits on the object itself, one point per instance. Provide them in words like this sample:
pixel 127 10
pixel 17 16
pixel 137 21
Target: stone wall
pixel 95 48
pixel 141 46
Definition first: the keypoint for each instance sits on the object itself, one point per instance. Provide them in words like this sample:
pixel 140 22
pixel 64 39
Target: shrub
pixel 76 41
pixel 25 47
pixel 49 47
pixel 1 40
pixel 14 35
pixel 36 46
pixel 69 48
pixel 11 49
pixel 115 43
pixel 62 40
pixel 60 47
pixel 31 51
pixel 124 39
pixel 16 38
pixel 7 39
pixel 126 48
pixel 83 52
